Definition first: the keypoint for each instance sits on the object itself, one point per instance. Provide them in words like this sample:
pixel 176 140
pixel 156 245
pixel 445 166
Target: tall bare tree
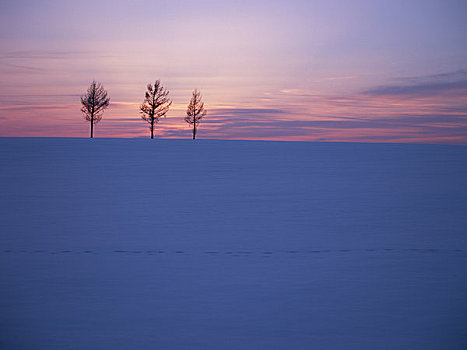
pixel 156 104
pixel 195 111
pixel 94 102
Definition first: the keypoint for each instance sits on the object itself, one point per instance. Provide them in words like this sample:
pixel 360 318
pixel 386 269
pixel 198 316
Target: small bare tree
pixel 94 102
pixel 195 111
pixel 156 104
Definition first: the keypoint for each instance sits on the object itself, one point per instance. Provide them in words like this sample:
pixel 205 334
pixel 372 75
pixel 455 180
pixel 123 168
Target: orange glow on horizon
pixel 358 118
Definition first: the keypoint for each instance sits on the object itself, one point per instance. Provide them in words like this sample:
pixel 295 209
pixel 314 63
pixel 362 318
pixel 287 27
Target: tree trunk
pixel 92 116
pixel 152 129
pixel 194 119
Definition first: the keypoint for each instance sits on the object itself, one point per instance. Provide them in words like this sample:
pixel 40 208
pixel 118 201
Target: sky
pixel 331 70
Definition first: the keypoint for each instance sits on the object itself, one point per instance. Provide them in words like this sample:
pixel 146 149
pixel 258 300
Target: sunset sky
pixel 327 70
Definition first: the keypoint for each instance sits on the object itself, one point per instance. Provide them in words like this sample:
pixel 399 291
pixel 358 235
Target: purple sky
pixel 385 71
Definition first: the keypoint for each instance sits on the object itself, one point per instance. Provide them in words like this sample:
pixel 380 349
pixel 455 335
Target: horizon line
pixel 236 140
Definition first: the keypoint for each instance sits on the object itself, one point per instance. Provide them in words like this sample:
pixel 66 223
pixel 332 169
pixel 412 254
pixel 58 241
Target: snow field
pixel 175 244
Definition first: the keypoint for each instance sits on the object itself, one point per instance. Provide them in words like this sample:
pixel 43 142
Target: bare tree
pixel 195 111
pixel 156 104
pixel 94 102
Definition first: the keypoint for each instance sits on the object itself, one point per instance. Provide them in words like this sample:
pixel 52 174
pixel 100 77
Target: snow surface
pixel 181 244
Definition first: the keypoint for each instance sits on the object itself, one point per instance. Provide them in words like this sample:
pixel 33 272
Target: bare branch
pixel 94 102
pixel 156 104
pixel 195 111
